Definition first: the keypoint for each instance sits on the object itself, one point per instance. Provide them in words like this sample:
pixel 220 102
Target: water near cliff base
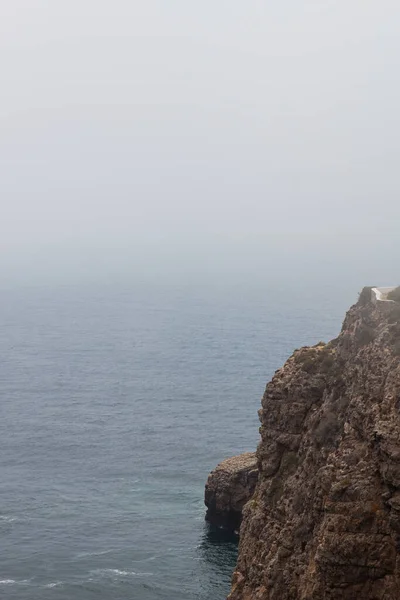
pixel 116 402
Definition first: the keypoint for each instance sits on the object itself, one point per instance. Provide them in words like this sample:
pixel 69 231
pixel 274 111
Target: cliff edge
pixel 324 520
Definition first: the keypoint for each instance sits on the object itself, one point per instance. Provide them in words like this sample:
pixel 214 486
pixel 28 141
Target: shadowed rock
pixel 228 488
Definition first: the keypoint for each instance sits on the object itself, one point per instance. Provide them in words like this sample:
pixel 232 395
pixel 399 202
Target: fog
pixel 173 137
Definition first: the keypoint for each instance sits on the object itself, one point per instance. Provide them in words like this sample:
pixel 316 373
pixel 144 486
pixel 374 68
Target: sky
pixel 171 135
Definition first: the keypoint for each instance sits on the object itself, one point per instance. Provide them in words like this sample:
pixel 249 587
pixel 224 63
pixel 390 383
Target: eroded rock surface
pixel 324 521
pixel 228 488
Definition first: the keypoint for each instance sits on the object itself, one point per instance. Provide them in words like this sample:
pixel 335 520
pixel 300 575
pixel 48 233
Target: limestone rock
pixel 324 521
pixel 228 488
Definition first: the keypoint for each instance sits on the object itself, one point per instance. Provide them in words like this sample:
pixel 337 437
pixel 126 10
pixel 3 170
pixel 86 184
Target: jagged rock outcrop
pixel 228 488
pixel 324 521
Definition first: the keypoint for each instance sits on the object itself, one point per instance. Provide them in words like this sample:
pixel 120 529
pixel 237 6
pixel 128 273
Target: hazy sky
pixel 168 128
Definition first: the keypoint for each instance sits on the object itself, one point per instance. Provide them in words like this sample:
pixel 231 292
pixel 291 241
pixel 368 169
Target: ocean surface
pixel 116 402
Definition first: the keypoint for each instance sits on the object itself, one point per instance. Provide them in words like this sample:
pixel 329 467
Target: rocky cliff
pixel 324 521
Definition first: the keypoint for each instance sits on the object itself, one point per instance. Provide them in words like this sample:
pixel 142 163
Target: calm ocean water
pixel 116 402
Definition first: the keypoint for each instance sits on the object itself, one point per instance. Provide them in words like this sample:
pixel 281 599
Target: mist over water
pixel 186 139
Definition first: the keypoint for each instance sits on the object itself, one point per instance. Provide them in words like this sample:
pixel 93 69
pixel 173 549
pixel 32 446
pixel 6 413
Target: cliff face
pixel 324 521
pixel 228 488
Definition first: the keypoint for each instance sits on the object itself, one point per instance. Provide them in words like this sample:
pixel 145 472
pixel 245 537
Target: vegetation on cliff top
pixel 394 294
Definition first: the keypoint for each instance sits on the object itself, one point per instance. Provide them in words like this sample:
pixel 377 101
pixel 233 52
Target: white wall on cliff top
pixel 380 294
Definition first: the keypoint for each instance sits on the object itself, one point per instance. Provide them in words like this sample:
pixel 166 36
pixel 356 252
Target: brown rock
pixel 324 521
pixel 228 488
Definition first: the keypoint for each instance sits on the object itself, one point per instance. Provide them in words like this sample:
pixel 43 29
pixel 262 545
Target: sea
pixel 117 400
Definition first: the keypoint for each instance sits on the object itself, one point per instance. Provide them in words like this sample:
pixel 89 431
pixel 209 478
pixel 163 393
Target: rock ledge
pixel 229 486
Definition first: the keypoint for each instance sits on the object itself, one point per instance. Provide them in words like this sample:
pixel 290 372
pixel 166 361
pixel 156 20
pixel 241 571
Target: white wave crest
pixel 120 573
pixel 99 553
pixel 14 582
pixel 7 519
